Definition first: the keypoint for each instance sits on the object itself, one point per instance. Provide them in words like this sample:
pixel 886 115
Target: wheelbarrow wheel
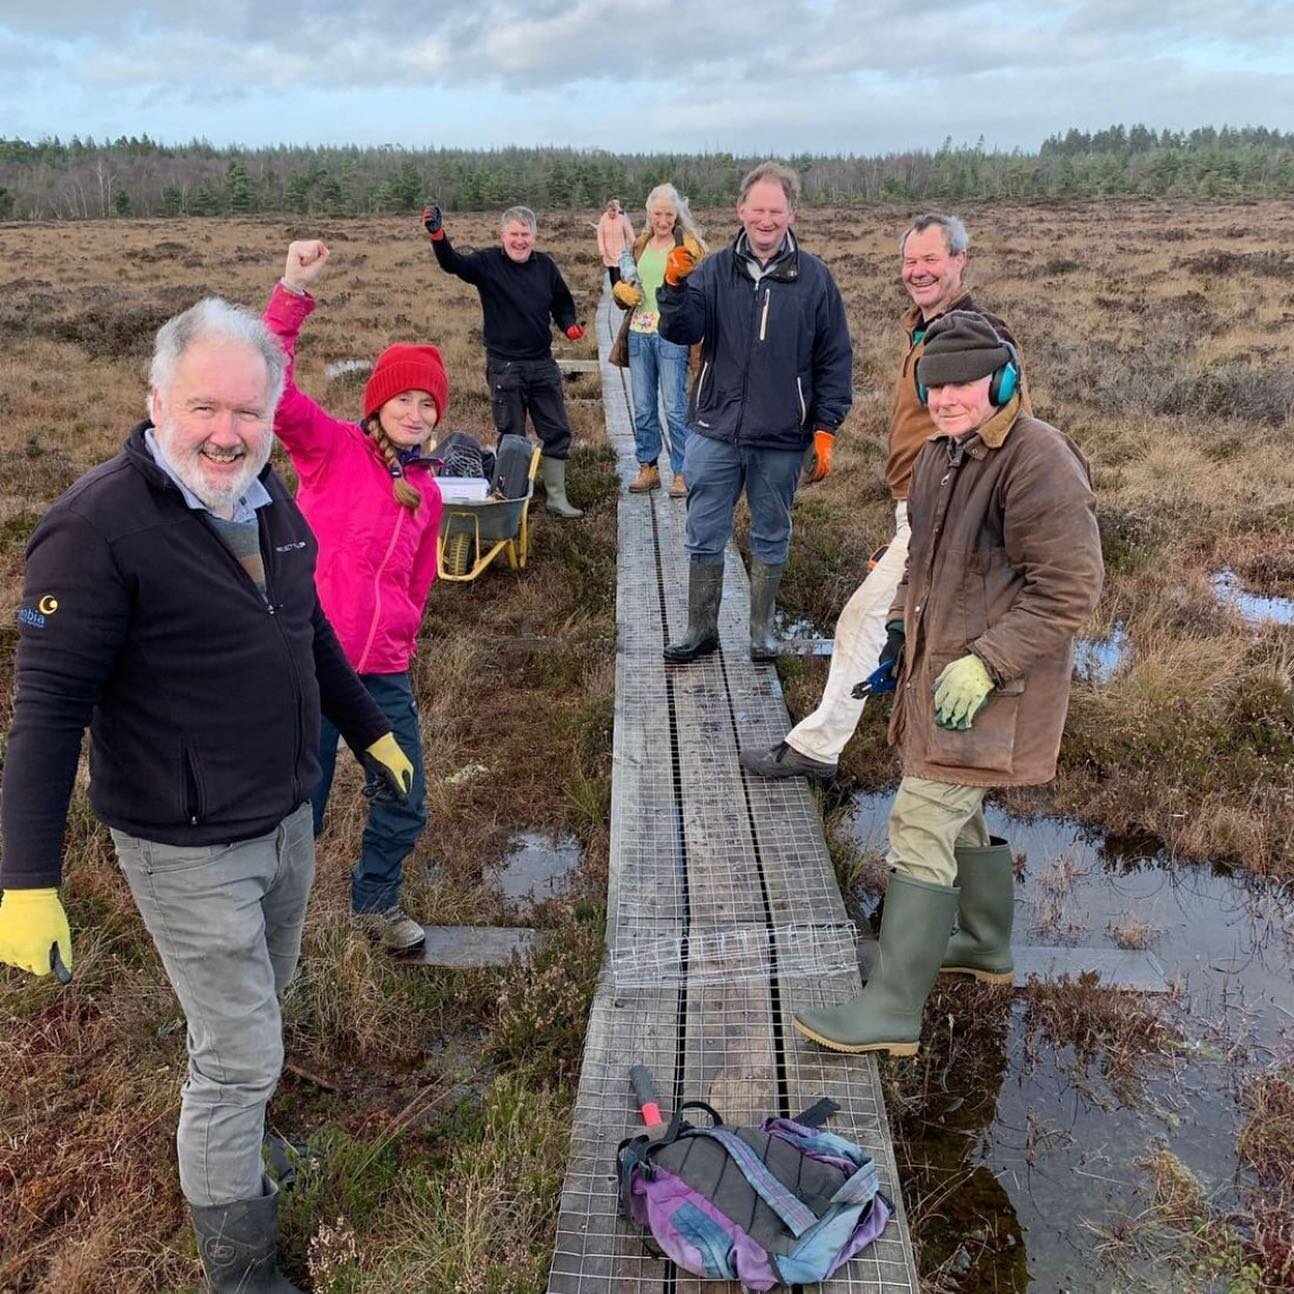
pixel 458 552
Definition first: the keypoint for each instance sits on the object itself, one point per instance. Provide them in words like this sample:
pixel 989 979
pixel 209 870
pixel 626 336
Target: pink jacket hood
pixel 377 560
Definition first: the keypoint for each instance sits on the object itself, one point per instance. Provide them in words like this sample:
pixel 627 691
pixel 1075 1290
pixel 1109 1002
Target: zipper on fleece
pixel 763 318
pixel 377 593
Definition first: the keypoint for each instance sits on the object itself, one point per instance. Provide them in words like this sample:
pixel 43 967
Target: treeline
pixel 88 179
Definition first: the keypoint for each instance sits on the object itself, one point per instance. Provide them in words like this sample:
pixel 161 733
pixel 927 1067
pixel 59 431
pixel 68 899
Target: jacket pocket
pixel 193 799
pixel 988 745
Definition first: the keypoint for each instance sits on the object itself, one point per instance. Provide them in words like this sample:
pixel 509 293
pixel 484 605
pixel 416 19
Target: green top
pixel 651 274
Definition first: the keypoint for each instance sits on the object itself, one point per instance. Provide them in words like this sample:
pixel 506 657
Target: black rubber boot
pixel 886 1016
pixel 981 945
pixel 764 580
pixel 704 593
pixel 239 1245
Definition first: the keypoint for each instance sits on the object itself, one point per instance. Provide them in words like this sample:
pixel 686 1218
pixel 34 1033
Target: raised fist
pixel 433 221
pixel 305 259
pixel 678 265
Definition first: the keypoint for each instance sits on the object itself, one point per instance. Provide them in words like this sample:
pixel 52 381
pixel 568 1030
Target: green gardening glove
pixel 34 934
pixel 961 691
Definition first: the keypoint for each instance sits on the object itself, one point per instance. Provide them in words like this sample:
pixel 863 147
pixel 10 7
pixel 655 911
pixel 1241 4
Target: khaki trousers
pixel 928 822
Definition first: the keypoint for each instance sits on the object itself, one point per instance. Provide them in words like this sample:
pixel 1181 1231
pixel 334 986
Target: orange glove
pixel 678 265
pixel 817 462
pixel 575 332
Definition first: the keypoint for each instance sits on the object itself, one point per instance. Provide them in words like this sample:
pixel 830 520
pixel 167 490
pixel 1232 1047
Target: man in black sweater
pixel 170 606
pixel 521 290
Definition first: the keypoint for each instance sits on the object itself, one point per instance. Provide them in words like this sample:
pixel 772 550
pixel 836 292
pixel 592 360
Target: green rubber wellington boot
pixel 239 1245
pixel 981 945
pixel 552 472
pixel 704 593
pixel 886 1016
pixel 764 580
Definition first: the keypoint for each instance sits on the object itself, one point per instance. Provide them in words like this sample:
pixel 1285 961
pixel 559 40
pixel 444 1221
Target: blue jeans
pixel 657 363
pixel 227 923
pixel 393 829
pixel 717 472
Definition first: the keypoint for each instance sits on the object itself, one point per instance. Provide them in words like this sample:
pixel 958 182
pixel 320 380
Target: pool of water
pixel 537 868
pixel 1031 1158
pixel 1098 660
pixel 1254 607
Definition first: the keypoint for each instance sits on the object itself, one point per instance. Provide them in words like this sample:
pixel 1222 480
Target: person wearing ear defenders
pixel 932 256
pixel 1003 569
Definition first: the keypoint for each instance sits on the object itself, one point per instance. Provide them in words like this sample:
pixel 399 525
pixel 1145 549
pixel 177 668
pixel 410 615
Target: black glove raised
pixel 433 221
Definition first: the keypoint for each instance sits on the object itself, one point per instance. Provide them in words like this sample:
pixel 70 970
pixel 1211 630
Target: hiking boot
pixel 648 478
pixel 704 593
pixel 678 487
pixel 886 1015
pixel 552 471
pixel 784 760
pixel 764 580
pixel 396 932
pixel 981 945
pixel 239 1245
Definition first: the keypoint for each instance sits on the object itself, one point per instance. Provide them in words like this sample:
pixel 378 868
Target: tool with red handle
pixel 648 1102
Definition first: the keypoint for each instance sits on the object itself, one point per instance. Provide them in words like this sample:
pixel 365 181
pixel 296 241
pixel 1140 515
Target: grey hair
pixel 522 215
pixel 682 211
pixel 955 237
pixel 772 173
pixel 215 319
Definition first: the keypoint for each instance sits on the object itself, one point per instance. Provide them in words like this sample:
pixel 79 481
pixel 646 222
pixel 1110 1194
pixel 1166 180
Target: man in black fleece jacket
pixel 170 606
pixel 521 290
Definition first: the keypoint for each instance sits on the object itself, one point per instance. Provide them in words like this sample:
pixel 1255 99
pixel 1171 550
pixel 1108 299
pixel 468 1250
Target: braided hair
pixel 405 494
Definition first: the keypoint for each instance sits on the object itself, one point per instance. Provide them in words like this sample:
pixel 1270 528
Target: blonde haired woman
pixel 658 368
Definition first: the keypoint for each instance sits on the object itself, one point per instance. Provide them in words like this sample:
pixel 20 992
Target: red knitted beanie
pixel 407 368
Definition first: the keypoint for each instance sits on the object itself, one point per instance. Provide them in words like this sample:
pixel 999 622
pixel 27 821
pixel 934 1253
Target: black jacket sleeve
pixel 683 308
pixel 833 362
pixel 72 623
pixel 563 304
pixel 467 268
pixel 342 697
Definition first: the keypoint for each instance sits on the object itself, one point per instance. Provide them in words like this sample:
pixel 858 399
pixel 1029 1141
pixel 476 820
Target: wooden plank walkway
pixel 724 916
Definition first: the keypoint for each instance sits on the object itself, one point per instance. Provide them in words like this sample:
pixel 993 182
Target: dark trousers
pixel 393 829
pixel 613 273
pixel 533 386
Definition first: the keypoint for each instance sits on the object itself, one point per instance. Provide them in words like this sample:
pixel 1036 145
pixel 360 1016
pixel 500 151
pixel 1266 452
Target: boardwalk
pixel 724 916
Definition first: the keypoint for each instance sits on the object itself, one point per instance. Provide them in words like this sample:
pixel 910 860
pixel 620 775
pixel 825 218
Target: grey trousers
pixel 227 922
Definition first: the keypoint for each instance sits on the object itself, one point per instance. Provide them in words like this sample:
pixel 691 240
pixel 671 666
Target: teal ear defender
pixel 1005 383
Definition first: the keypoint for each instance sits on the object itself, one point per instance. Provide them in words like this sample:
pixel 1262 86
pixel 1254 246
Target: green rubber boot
pixel 764 580
pixel 886 1016
pixel 552 471
pixel 239 1245
pixel 981 945
pixel 704 593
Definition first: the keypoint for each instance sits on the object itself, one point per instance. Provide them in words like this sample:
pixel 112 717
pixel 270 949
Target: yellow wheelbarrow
pixel 473 532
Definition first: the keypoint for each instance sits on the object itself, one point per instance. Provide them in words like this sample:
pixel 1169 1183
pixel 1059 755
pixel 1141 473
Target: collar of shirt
pixel 257 495
pixel 751 261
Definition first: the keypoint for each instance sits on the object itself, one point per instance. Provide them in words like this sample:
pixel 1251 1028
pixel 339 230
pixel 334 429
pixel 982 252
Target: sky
pixel 759 77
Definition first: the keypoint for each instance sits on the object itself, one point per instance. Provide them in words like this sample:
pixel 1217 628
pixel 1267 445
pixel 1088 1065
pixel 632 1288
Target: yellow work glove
pixel 390 775
pixel 627 295
pixel 33 927
pixel 961 692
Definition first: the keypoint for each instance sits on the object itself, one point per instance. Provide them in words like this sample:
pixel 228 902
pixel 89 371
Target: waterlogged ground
pixel 1038 1153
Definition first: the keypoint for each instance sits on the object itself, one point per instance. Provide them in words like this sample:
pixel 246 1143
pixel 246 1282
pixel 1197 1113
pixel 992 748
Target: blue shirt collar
pixel 256 496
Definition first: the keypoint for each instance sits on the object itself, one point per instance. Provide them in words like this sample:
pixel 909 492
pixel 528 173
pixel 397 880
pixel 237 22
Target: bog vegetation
pixel 432 1108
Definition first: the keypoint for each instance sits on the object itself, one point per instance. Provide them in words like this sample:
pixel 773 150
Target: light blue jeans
pixel 227 922
pixel 717 472
pixel 656 364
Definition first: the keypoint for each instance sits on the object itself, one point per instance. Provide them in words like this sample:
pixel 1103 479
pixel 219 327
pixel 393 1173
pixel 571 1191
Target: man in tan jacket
pixel 1003 570
pixel 932 256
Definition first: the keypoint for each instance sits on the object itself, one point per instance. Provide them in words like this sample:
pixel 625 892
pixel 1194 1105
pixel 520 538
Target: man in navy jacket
pixel 775 385
pixel 170 606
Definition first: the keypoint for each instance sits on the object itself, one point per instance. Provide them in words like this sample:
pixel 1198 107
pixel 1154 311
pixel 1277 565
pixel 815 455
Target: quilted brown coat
pixel 1004 562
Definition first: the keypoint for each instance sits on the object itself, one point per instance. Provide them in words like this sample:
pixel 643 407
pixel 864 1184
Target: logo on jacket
pixel 36 616
pixel 289 548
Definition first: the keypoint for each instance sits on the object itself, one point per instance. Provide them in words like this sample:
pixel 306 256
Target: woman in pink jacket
pixel 615 233
pixel 371 497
